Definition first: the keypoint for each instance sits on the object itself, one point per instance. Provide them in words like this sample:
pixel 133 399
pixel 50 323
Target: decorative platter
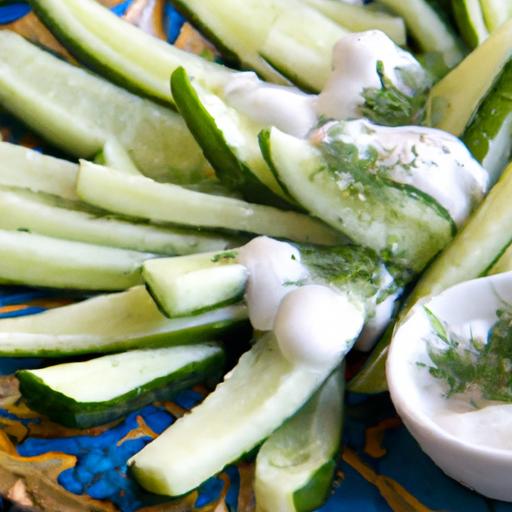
pixel 44 466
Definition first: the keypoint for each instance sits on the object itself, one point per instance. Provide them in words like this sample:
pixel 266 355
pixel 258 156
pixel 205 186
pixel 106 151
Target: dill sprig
pixel 483 366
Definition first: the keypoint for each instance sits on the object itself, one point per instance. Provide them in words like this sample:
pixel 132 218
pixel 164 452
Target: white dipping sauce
pixel 273 268
pixel 315 325
pixel 286 108
pixel 431 160
pixel 355 58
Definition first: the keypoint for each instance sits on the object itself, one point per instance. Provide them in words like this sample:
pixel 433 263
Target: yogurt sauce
pixel 286 108
pixel 355 58
pixel 313 323
pixel 431 160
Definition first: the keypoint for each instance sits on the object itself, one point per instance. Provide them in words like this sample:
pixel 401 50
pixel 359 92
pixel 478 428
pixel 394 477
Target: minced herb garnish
pixel 476 365
pixel 389 106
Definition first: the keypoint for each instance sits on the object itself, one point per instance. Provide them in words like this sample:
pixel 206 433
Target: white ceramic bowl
pixel 485 469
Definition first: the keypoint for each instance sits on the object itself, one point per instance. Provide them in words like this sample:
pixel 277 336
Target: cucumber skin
pixel 230 57
pixel 315 493
pixel 70 413
pixel 491 114
pixel 89 59
pixel 231 171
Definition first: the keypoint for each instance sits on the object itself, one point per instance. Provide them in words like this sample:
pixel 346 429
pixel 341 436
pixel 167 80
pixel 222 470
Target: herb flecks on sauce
pixel 477 366
pixel 389 106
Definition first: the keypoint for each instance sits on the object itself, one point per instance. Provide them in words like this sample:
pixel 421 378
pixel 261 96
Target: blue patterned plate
pixel 43 465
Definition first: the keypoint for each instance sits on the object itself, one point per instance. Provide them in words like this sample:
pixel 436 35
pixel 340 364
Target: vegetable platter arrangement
pixel 209 249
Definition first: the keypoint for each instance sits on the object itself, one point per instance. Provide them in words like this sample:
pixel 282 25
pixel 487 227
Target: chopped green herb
pixel 389 106
pixel 226 255
pixel 483 367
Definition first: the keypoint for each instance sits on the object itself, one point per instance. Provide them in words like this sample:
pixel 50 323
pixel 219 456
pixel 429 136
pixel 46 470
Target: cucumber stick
pixel 119 50
pixel 37 260
pixel 71 220
pixel 25 168
pixel 75 394
pixel 476 249
pixel 110 323
pixel 142 197
pixel 270 36
pixel 470 20
pixel 428 28
pixel 79 112
pixel 451 107
pixel 273 390
pixel 359 18
pixel 392 220
pixel 489 135
pixel 295 466
pixel 114 155
pixel 496 12
pixel 229 140
pixel 194 284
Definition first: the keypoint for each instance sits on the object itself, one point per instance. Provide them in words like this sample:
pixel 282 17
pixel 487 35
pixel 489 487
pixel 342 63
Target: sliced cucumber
pixel 269 37
pixel 194 284
pixel 79 112
pixel 26 168
pixel 359 18
pixel 120 51
pixel 141 197
pixel 474 251
pixel 52 216
pixel 489 135
pixel 229 141
pixel 191 284
pixel 114 155
pixel 89 393
pixel 302 52
pixel 36 260
pixel 496 12
pixel 428 28
pixel 295 466
pixel 470 20
pixel 272 389
pixel 237 36
pixel 392 219
pixel 111 323
pixel 450 106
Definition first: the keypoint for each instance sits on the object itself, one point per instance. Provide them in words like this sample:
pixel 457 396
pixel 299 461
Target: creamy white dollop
pixel 379 313
pixel 286 108
pixel 355 58
pixel 274 269
pixel 431 160
pixel 315 325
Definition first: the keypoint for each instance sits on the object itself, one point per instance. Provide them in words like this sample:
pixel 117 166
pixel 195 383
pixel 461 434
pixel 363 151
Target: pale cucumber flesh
pixel 402 219
pixel 119 50
pixel 193 284
pixel 51 216
pixel 78 112
pixel 37 260
pixel 141 197
pixel 75 395
pixel 451 107
pixel 25 168
pixel 273 390
pixel 295 465
pixel 110 323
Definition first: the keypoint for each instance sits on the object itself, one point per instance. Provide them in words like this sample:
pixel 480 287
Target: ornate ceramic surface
pixel 48 467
